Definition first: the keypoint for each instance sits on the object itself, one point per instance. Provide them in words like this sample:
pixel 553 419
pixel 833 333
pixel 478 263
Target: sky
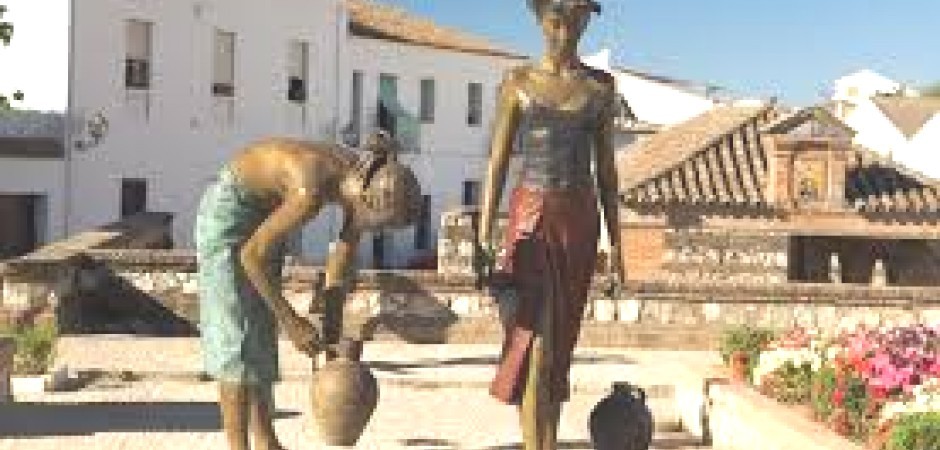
pixel 793 50
pixel 36 62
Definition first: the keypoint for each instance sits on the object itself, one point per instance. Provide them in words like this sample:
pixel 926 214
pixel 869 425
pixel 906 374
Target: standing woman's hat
pixel 562 5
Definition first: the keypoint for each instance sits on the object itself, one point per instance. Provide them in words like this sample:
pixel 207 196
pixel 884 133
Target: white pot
pixel 37 384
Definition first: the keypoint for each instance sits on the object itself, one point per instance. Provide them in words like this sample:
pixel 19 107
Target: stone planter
pixel 739 418
pixel 739 360
pixel 36 384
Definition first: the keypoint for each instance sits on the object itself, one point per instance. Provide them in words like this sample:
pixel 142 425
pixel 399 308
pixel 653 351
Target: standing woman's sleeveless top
pixel 556 144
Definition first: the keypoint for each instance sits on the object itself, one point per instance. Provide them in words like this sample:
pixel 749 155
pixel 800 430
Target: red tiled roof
pixel 717 158
pixel 373 20
pixel 909 114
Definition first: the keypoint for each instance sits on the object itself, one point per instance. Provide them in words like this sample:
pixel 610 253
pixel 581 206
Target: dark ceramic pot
pixel 344 394
pixel 622 420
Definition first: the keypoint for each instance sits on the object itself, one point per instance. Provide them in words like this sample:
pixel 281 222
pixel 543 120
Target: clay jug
pixel 344 394
pixel 622 420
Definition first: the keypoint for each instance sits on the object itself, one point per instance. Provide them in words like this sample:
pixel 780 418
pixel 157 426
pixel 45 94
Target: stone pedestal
pixel 7 349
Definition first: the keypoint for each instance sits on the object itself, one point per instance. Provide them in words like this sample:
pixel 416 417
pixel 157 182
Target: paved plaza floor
pixel 432 397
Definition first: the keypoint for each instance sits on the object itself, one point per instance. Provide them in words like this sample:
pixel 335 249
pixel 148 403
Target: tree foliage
pixel 6 28
pixel 6 33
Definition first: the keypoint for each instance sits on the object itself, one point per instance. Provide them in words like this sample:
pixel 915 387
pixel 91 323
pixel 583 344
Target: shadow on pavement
pixel 569 445
pixel 53 419
pixel 402 367
pixel 677 442
pixel 659 443
pixel 429 443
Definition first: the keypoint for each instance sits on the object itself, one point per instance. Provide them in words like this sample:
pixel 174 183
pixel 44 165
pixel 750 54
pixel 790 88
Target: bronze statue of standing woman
pixel 560 113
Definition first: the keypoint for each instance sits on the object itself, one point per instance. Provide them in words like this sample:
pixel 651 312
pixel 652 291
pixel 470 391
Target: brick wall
pixel 643 251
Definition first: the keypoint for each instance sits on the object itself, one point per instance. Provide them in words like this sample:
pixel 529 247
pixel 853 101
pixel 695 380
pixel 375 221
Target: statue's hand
pixel 616 268
pixel 484 261
pixel 303 334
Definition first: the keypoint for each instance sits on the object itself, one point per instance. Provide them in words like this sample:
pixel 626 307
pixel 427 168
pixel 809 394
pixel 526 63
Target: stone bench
pixel 7 349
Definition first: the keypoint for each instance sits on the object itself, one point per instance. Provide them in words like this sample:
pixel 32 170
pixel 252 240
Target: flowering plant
pixel 858 380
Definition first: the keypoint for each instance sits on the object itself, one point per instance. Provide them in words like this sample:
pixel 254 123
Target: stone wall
pixel 106 288
pixel 155 292
pixel 7 349
pixel 732 256
pixel 39 283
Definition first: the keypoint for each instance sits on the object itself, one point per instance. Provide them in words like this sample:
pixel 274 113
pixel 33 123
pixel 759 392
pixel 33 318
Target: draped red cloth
pixel 551 251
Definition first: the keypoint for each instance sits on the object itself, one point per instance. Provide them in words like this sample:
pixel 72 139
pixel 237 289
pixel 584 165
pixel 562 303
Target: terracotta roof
pixel 909 114
pixel 680 143
pixel 373 20
pixel 876 184
pixel 718 158
pixel 30 147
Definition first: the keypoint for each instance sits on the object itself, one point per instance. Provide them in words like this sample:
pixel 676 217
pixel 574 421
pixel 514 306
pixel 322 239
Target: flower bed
pixel 864 383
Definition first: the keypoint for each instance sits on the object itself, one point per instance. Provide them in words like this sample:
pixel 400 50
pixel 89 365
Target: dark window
pixel 223 64
pixel 19 229
pixel 388 97
pixel 428 100
pixel 474 104
pixel 355 111
pixel 133 196
pixel 423 225
pixel 136 74
pixel 471 192
pixel 296 90
pixel 378 250
pixel 139 36
pixel 297 62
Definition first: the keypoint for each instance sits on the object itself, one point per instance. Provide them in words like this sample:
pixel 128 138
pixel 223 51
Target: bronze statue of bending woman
pixel 267 191
pixel 560 113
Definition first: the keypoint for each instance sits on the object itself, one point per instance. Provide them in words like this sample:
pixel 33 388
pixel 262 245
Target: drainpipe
pixel 341 26
pixel 68 142
pixel 340 35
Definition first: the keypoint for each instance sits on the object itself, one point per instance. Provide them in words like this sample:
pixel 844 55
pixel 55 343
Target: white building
pixel 655 99
pixel 856 87
pixel 31 180
pixel 183 85
pixel 890 119
pixel 441 84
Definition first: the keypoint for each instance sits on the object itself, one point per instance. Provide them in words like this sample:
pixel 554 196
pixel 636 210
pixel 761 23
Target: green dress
pixel 238 331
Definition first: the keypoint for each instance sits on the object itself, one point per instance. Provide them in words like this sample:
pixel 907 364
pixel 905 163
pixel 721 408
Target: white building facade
pixel 890 119
pixel 32 174
pixel 450 97
pixel 184 85
pixel 655 100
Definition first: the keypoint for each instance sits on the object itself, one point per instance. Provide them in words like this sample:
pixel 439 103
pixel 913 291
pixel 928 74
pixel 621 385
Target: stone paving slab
pixel 157 415
pixel 470 365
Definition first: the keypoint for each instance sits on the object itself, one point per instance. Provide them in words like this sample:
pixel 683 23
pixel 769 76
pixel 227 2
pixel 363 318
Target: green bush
pixel 35 349
pixel 823 385
pixel 916 431
pixel 750 340
pixel 791 384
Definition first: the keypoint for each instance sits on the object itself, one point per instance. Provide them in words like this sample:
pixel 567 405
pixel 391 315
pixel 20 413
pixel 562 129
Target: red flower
pixel 838 396
pixel 877 392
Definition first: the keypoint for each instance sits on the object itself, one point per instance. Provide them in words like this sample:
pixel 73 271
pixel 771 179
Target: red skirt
pixel 551 251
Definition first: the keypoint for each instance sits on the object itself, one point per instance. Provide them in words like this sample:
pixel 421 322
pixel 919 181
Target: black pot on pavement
pixel 622 420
